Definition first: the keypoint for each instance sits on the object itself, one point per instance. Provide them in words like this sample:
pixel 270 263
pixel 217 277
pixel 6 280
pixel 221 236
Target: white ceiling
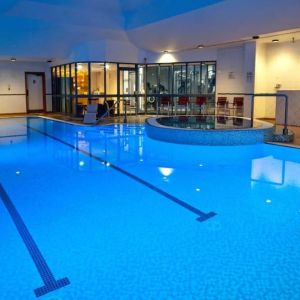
pixel 44 29
pixel 230 20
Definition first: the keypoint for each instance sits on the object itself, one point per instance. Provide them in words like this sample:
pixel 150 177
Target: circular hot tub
pixel 208 130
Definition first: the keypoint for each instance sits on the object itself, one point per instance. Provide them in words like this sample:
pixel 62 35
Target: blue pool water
pixel 117 214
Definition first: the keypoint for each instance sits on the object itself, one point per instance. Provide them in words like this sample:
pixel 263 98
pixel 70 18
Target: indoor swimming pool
pixel 105 212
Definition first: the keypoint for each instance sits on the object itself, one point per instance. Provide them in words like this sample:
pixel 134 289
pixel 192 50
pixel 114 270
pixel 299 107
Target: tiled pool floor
pixel 141 119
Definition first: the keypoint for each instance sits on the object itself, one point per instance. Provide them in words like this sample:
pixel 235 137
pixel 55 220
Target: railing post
pixel 125 116
pixel 252 109
pixel 285 128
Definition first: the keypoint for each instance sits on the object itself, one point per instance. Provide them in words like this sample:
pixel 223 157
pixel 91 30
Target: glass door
pixel 128 90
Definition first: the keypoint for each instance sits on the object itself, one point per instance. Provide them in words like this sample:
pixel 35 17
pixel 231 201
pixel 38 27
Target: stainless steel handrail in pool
pixel 285 128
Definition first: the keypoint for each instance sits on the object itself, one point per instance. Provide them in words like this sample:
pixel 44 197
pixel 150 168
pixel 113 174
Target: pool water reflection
pixel 206 122
pixel 116 238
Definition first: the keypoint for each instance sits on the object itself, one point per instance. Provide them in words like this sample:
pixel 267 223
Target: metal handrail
pixel 115 104
pixel 106 113
pixel 285 128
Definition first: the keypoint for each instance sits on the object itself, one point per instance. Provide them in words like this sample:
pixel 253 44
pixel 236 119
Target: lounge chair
pixel 90 116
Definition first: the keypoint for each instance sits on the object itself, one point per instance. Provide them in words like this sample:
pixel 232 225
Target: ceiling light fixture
pixel 13 59
pixel 275 41
pixel 200 46
pixel 255 37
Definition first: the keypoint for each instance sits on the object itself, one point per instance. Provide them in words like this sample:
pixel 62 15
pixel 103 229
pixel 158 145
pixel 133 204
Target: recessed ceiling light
pixel 200 46
pixel 275 41
pixel 255 37
pixel 13 59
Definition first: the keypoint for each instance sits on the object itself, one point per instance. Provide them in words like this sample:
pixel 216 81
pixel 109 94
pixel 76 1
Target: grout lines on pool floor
pixel 202 216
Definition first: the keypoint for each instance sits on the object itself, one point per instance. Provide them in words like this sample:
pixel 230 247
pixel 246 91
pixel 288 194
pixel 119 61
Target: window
pixel 82 79
pixel 165 79
pixel 111 78
pixel 152 79
pixel 77 84
pixel 180 82
pixel 97 79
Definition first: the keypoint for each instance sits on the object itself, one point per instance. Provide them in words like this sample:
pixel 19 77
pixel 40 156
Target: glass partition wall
pixel 136 88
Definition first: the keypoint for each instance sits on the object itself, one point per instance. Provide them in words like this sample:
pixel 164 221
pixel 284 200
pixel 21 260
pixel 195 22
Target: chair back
pixel 183 100
pixel 200 100
pixel 165 100
pixel 92 108
pixel 222 101
pixel 238 101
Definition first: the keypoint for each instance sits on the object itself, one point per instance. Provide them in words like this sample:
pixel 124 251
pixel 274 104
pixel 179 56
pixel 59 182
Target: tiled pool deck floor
pixel 141 119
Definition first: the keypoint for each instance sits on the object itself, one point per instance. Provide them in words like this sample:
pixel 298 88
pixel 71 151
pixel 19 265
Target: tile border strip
pixel 50 283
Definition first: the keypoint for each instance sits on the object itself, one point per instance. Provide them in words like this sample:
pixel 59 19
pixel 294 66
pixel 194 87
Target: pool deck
pixel 139 119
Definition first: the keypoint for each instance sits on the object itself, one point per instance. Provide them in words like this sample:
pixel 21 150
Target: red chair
pixel 165 100
pixel 201 100
pixel 238 105
pixel 183 101
pixel 165 103
pixel 222 105
pixel 200 104
pixel 222 101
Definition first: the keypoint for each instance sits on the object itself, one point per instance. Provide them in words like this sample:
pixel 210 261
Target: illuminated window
pixel 82 79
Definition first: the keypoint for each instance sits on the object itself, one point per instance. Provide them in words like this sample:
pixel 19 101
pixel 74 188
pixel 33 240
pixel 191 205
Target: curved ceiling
pixel 221 23
pixel 43 29
pixel 140 13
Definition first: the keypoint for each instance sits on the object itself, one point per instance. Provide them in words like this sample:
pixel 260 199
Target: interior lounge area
pixel 139 88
